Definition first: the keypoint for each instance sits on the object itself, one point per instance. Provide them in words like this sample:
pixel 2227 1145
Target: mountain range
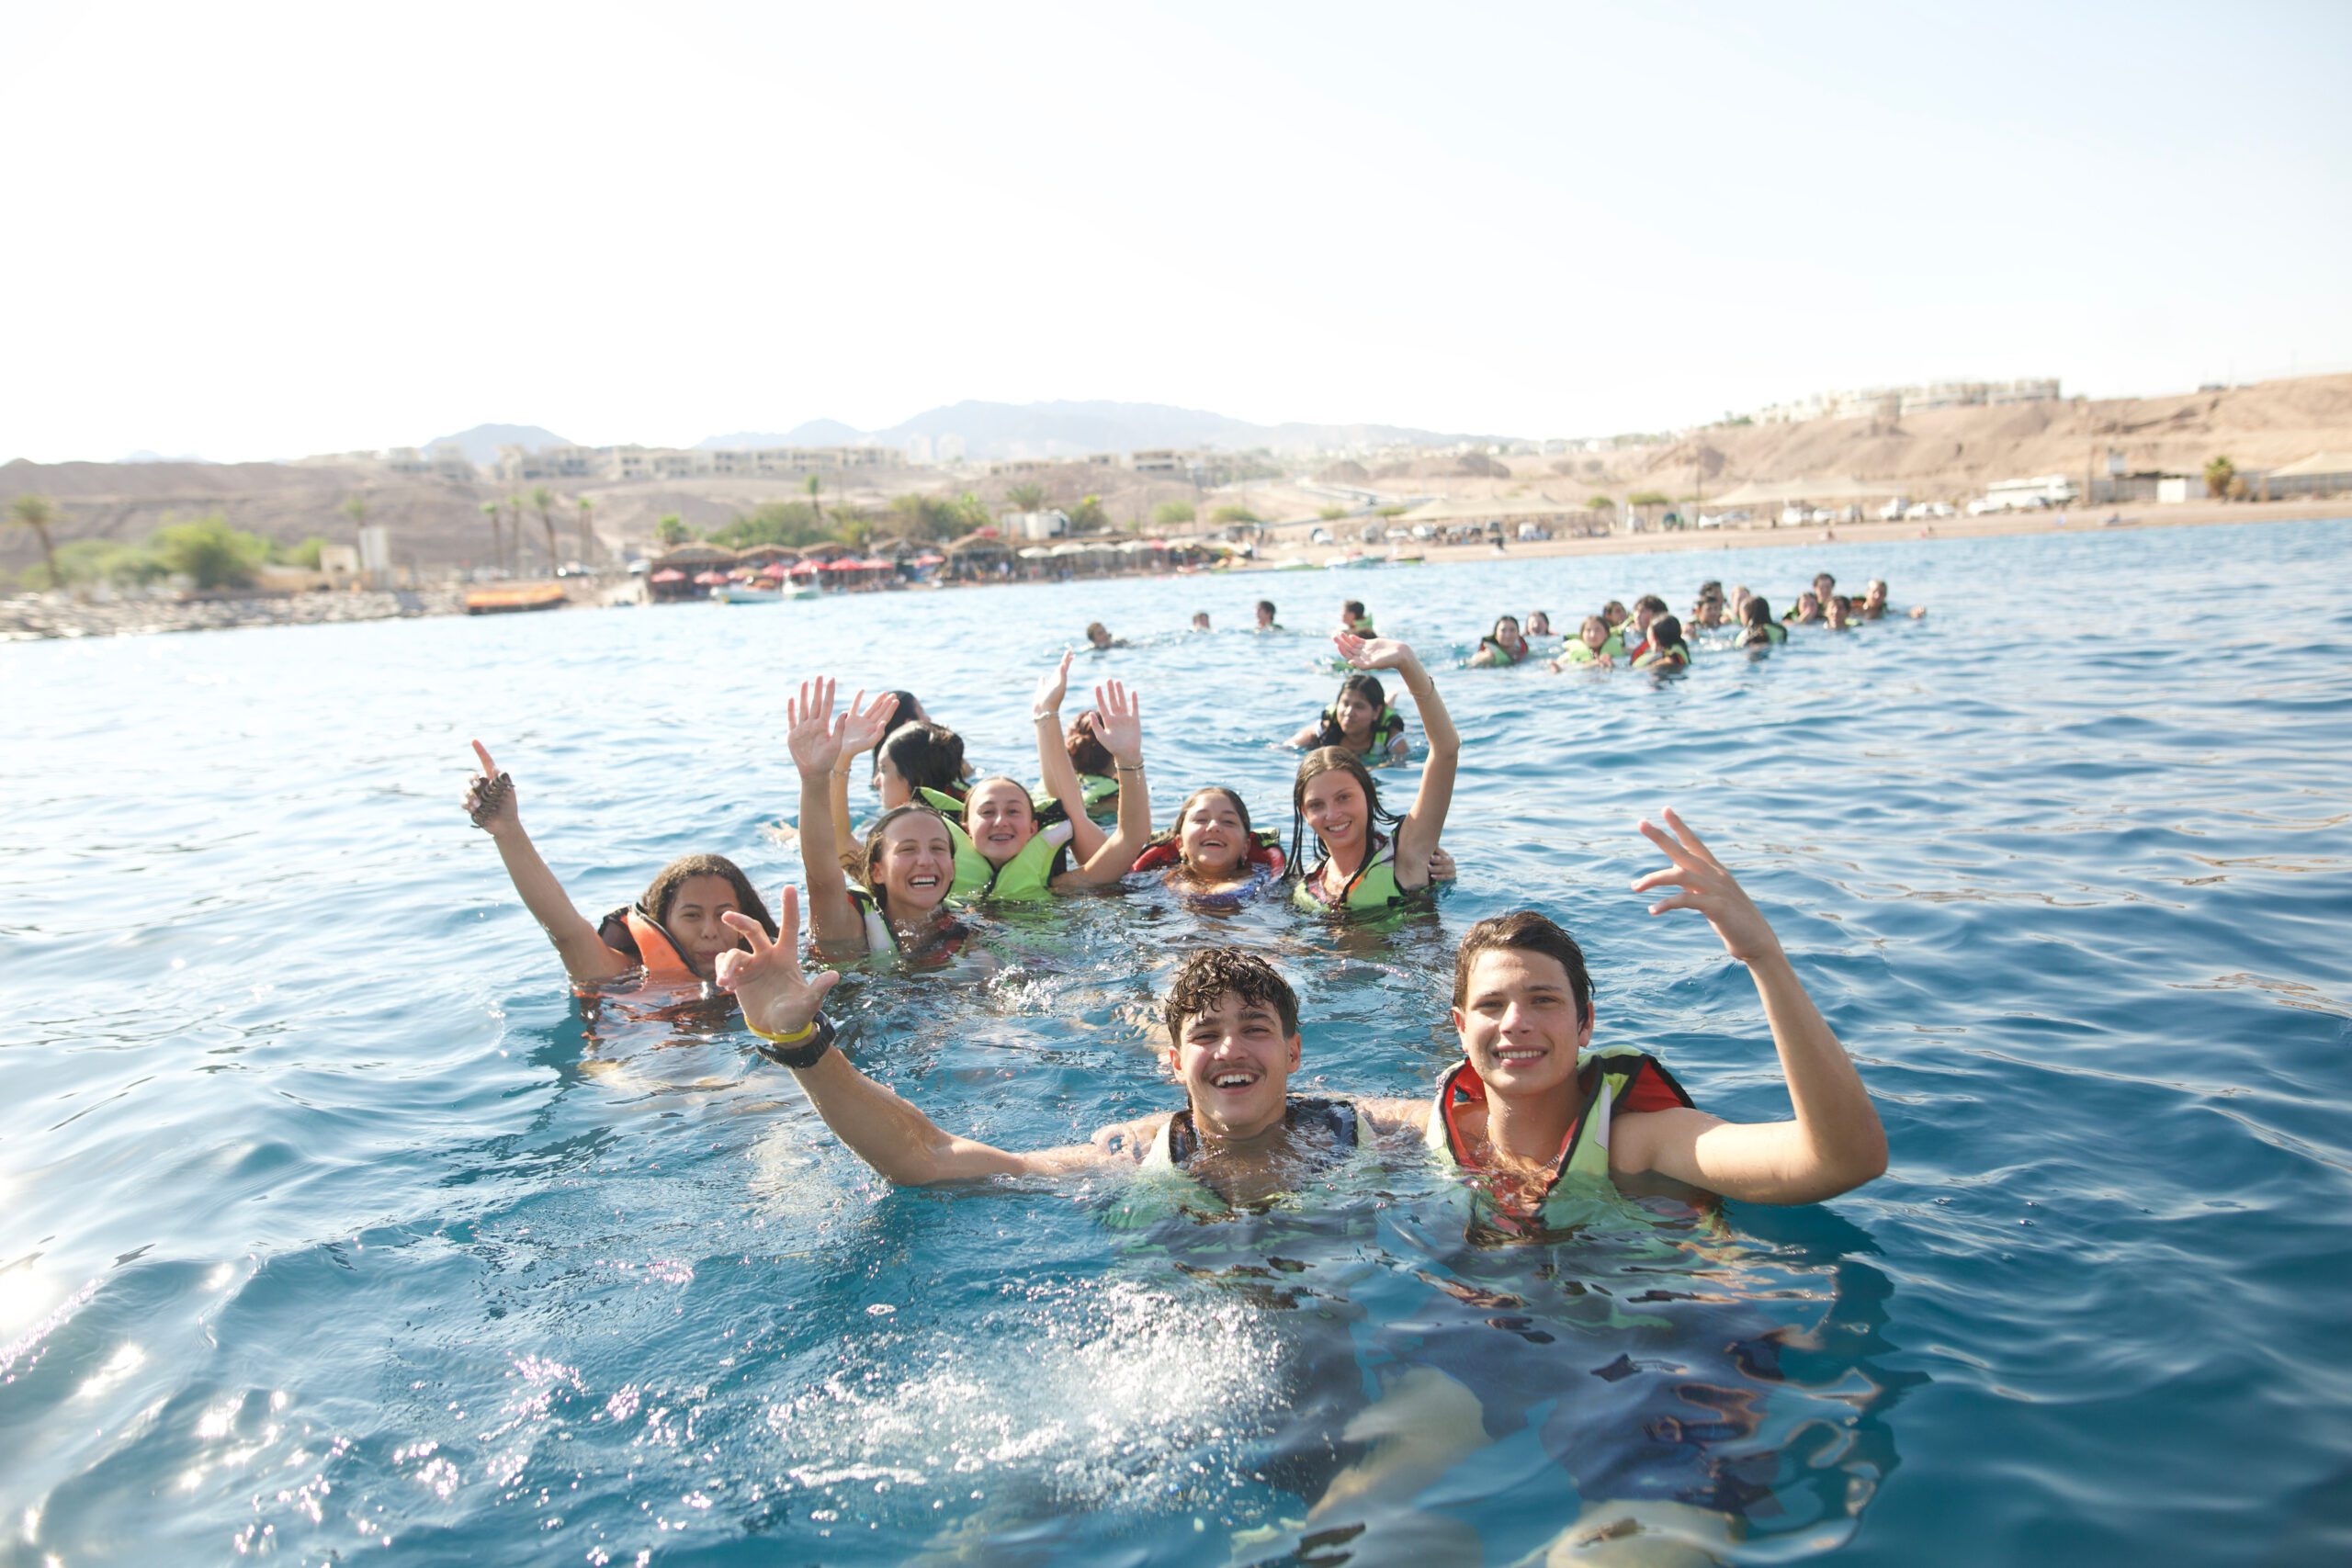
pixel 1071 429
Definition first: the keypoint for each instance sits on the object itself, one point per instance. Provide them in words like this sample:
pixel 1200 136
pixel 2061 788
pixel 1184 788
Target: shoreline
pixel 1761 537
pixel 45 618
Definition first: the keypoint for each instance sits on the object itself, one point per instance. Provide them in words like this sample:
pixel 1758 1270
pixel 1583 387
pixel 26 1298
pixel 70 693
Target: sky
pixel 250 232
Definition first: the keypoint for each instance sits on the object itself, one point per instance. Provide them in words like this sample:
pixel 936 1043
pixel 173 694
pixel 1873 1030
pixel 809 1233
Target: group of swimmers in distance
pixel 1530 1106
pixel 1650 636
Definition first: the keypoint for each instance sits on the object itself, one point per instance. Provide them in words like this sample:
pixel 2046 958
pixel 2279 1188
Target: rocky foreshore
pixel 55 615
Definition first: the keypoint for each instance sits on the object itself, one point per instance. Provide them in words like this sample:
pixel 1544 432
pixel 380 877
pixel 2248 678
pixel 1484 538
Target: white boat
pixel 737 593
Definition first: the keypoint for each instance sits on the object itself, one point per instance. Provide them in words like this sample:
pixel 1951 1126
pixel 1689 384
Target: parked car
pixel 1892 511
pixel 1791 517
pixel 1533 531
pixel 1319 537
pixel 1423 532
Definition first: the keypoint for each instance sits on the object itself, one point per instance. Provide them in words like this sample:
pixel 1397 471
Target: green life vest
pixel 1579 651
pixel 1618 1079
pixel 1371 889
pixel 1658 656
pixel 1502 655
pixel 1026 879
pixel 1093 788
pixel 1385 730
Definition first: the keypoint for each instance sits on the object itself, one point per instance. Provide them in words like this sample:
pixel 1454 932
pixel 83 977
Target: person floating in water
pixel 1665 649
pixel 1502 646
pixel 1233 1042
pixel 1363 869
pixel 1636 632
pixel 1807 610
pixel 1760 629
pixel 1100 636
pixel 1875 607
pixel 674 933
pixel 1265 612
pixel 1360 720
pixel 1595 645
pixel 1531 1108
pixel 1353 618
pixel 1538 624
pixel 1200 620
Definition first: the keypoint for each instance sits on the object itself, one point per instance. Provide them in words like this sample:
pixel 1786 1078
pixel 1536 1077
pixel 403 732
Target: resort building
pixel 2322 473
pixel 1891 402
pixel 516 466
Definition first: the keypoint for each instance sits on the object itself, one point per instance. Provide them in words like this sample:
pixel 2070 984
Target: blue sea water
pixel 333 1225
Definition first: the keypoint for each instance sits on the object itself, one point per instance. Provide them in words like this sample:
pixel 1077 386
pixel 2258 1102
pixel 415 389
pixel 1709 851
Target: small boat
pixel 742 593
pixel 1354 559
pixel 522 596
pixel 1292 563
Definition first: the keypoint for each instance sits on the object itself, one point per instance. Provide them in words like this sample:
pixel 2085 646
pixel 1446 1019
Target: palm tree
pixel 37 512
pixel 587 534
pixel 514 530
pixel 815 504
pixel 497 535
pixel 543 499
pixel 1027 497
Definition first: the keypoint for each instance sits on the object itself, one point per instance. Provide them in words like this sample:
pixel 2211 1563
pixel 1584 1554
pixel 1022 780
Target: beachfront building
pixel 2322 473
pixel 1051 523
pixel 516 466
pixel 1893 402
pixel 1161 460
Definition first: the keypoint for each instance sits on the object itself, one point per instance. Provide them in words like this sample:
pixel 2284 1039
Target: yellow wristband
pixel 794 1038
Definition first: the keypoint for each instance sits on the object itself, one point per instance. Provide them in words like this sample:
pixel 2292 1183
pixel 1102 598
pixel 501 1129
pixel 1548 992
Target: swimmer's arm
pixel 1055 772
pixel 1121 727
pixel 1129 1139
pixel 1307 736
pixel 584 955
pixel 907 1147
pixel 1401 748
pixel 814 738
pixel 1834 1144
pixel 1396 1118
pixel 1418 834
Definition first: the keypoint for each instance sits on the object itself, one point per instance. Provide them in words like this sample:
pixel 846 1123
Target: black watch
pixel 801 1054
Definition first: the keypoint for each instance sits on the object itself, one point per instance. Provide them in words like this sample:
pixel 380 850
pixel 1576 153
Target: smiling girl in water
pixel 1364 868
pixel 674 933
pixel 1360 720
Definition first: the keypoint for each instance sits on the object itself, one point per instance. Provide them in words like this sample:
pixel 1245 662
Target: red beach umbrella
pixel 773 569
pixel 802 569
pixel 711 579
pixel 669 574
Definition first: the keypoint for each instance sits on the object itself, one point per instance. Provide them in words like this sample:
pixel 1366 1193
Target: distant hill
pixel 481 442
pixel 1069 429
pixel 144 456
pixel 814 432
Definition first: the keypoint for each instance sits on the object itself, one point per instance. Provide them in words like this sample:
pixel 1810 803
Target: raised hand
pixel 863 728
pixel 489 798
pixel 811 732
pixel 1374 652
pixel 1118 722
pixel 1709 888
pixel 1051 686
pixel 776 997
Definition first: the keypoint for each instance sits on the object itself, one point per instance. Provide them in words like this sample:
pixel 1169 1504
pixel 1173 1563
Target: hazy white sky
pixel 255 230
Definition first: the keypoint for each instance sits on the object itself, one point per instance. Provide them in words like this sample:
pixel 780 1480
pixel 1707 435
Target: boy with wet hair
pixel 1233 1042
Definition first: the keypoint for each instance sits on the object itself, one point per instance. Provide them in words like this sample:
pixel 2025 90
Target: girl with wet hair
pixel 674 933
pixel 905 866
pixel 1595 644
pixel 1502 646
pixel 1666 649
pixel 1762 630
pixel 1371 858
pixel 1213 855
pixel 1359 720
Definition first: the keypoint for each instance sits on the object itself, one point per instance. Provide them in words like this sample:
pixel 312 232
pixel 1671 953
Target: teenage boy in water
pixel 1233 1044
pixel 1512 1112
